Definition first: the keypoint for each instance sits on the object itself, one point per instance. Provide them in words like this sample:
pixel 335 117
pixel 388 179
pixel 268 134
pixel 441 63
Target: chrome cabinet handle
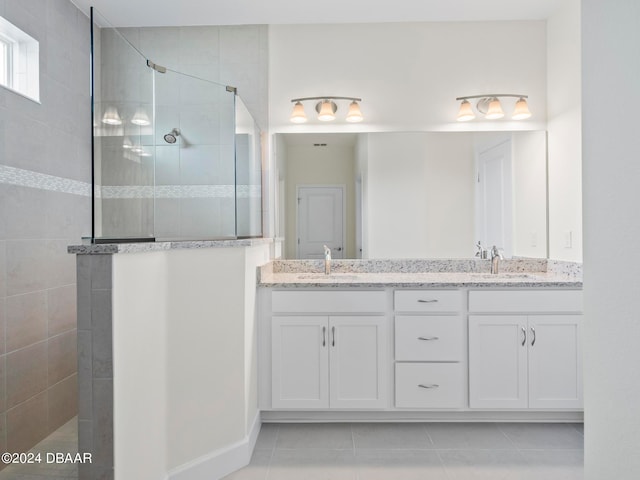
pixel 524 336
pixel 533 332
pixel 428 338
pixel 333 334
pixel 432 385
pixel 324 336
pixel 428 301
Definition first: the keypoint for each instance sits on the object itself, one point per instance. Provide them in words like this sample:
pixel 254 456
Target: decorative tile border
pixel 27 178
pixel 180 191
pixel 42 181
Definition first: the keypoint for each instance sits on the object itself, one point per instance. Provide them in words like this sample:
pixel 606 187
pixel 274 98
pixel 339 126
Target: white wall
pixel 361 173
pixel 140 366
pixel 564 127
pixel 420 195
pixel 611 176
pixel 309 165
pixel 185 367
pixel 205 352
pixel 529 194
pixel 409 74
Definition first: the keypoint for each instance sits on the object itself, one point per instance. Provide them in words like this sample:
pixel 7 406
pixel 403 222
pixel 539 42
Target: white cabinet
pixel 429 385
pixel 525 361
pixel 429 342
pixel 300 362
pixel 497 362
pixel 555 361
pixel 321 362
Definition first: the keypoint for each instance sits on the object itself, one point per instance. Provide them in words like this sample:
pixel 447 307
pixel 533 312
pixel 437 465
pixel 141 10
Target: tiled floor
pixel 425 451
pixel 63 440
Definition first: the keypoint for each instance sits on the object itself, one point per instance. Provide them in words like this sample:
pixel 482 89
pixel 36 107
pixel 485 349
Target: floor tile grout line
pixel 511 441
pixel 426 429
pixel 353 440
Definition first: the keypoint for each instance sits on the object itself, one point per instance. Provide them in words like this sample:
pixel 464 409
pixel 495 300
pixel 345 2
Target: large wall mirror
pixel 412 194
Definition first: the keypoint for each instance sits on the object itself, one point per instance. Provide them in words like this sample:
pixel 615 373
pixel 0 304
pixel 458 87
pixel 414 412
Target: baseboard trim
pixel 414 416
pixel 222 462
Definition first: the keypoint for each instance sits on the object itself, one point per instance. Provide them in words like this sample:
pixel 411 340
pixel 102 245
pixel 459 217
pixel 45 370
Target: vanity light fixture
pixel 489 105
pixel 326 108
pixel 111 116
pixel 140 117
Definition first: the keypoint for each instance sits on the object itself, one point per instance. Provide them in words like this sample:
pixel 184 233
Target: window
pixel 19 61
pixel 5 62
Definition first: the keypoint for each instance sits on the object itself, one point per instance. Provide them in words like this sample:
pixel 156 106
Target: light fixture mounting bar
pixel 491 95
pixel 355 99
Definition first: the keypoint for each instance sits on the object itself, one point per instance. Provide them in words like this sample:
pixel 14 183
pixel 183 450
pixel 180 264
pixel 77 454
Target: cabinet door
pixel 555 361
pixel 300 347
pixel 497 361
pixel 356 362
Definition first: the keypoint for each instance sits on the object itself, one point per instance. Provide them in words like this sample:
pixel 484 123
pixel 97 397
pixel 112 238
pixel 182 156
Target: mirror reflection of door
pixel 494 190
pixel 320 220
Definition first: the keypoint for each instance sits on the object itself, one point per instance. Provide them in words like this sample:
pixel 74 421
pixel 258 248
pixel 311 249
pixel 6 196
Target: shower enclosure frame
pixel 97 237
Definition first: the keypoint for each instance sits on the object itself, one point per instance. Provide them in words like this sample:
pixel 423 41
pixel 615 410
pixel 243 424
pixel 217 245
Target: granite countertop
pixel 523 273
pixel 140 247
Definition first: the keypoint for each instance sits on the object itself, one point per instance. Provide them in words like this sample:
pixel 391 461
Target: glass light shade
pixel 298 115
pixel 495 110
pixel 126 143
pixel 326 113
pixel 354 114
pixel 140 117
pixel 521 112
pixel 466 112
pixel 111 116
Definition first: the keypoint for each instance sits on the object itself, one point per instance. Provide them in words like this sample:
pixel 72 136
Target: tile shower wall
pixel 196 175
pixel 45 158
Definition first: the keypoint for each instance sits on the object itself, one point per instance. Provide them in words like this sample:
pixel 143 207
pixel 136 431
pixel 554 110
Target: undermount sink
pixel 505 275
pixel 333 276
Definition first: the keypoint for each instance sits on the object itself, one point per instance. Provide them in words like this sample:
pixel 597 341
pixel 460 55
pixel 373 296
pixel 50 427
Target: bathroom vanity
pixel 420 340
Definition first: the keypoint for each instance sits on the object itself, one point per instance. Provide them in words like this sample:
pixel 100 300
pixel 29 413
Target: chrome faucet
pixel 327 260
pixel 482 252
pixel 496 256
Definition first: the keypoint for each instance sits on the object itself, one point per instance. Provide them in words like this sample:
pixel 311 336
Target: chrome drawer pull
pixel 333 336
pixel 433 385
pixel 324 336
pixel 428 338
pixel 533 332
pixel 524 336
pixel 435 300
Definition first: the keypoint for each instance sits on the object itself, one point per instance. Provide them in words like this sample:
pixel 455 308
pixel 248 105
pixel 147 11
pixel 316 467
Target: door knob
pixel 339 249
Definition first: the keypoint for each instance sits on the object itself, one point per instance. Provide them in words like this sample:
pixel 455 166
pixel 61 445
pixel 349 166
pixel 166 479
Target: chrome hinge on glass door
pixel 156 67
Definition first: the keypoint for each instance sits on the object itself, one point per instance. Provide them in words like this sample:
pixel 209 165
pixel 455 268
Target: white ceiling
pixel 131 13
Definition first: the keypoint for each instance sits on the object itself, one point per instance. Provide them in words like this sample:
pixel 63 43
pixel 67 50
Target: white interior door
pixel 320 221
pixel 494 208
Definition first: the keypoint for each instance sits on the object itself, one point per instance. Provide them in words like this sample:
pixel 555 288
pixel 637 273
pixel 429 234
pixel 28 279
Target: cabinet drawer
pixel 525 301
pixel 429 385
pixel 427 301
pixel 328 302
pixel 428 338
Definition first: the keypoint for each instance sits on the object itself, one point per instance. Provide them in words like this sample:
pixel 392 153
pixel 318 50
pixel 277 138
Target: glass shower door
pixel 194 152
pixel 123 162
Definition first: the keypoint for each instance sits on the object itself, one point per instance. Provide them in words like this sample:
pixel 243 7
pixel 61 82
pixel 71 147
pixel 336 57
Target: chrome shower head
pixel 172 136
